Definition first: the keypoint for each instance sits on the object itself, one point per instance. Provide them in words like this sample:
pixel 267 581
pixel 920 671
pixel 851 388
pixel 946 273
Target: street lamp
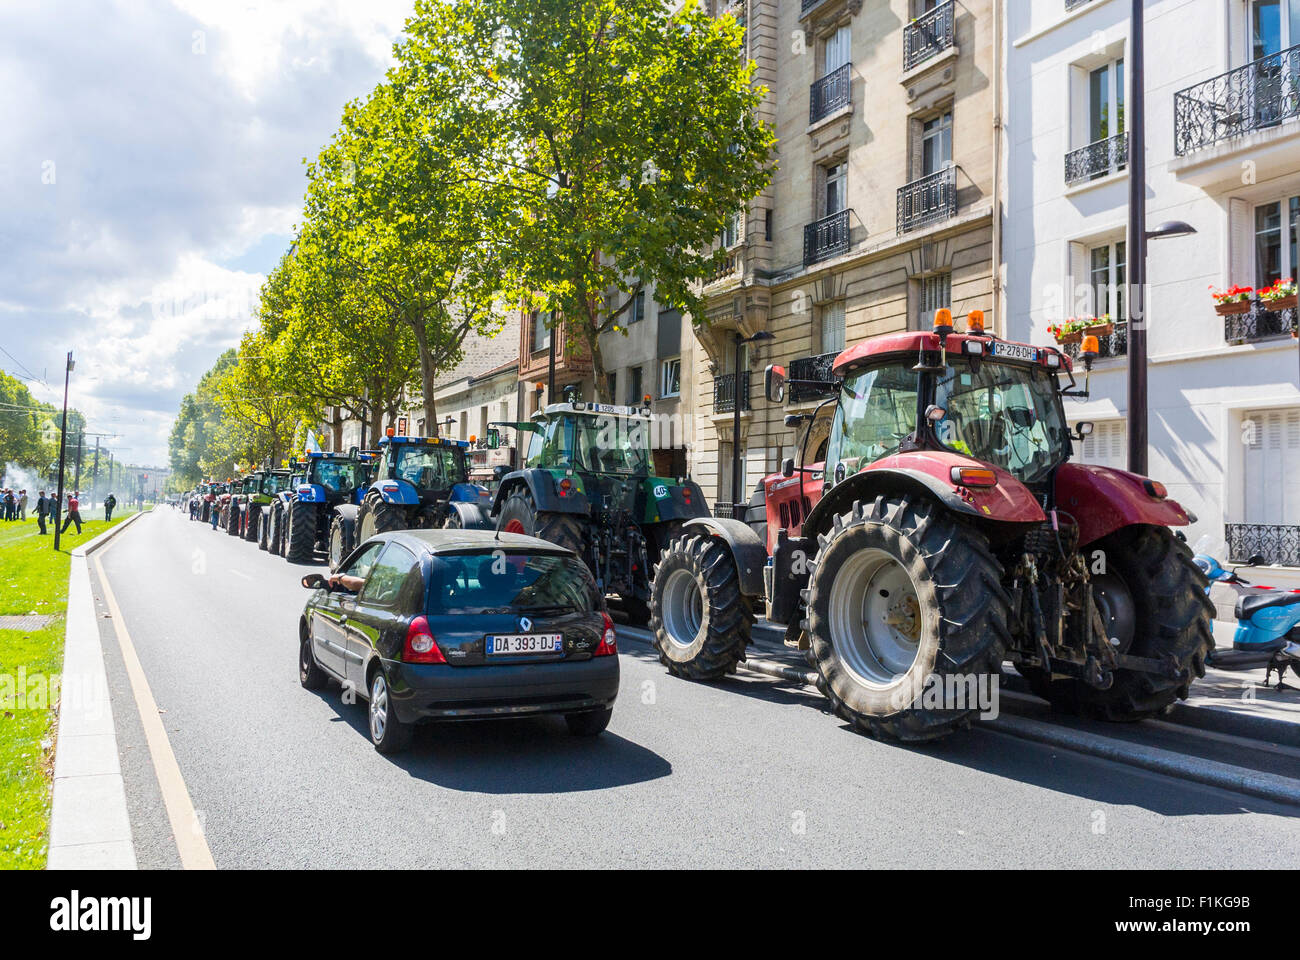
pixel 759 337
pixel 63 444
pixel 1171 228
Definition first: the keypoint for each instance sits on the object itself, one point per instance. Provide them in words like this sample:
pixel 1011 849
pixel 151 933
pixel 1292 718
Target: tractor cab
pixel 331 478
pixel 423 469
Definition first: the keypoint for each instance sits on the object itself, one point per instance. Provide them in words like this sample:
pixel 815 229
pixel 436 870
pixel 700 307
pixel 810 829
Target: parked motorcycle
pixel 1268 620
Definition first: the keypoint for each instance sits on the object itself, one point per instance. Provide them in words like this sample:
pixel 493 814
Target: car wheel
pixel 310 675
pixel 388 733
pixel 592 723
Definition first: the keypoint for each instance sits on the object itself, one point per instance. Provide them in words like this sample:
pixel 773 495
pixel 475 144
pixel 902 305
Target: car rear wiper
pixel 552 609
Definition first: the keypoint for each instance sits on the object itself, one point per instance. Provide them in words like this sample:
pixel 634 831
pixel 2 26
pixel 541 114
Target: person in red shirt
pixel 74 514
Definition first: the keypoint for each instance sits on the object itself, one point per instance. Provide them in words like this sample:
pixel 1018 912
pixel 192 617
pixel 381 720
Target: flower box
pixel 1280 304
pixel 1101 330
pixel 1232 308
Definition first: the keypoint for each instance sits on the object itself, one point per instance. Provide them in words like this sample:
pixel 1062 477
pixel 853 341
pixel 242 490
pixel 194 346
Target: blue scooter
pixel 1268 622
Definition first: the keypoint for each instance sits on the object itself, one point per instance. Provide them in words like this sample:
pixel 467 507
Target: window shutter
pixel 833 327
pixel 1241 243
pixel 1272 466
pixel 915 150
pixel 1108 445
pixel 1079 276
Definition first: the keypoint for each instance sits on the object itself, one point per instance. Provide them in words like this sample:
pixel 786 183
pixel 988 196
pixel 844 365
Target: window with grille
pixel 936 294
pixel 1271 466
pixel 833 327
pixel 1108 445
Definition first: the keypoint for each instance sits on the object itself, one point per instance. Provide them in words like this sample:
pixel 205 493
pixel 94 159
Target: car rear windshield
pixel 503 582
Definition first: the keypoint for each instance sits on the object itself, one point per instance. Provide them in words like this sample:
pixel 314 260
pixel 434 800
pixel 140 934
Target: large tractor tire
pixel 907 619
pixel 520 515
pixel 377 516
pixel 275 524
pixel 300 537
pixel 232 521
pixel 263 531
pixel 1152 600
pixel 699 621
pixel 252 520
pixel 341 540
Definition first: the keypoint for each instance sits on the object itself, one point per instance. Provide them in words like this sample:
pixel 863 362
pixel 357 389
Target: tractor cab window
pixel 876 413
pixel 1002 413
pixel 553 446
pixel 337 475
pixel 612 445
pixel 427 468
pixel 271 484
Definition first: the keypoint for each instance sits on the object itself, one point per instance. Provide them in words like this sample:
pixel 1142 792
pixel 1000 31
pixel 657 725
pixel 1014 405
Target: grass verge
pixel 33 580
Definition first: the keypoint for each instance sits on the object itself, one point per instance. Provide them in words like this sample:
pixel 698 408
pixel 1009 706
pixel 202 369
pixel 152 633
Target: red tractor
pixel 947 531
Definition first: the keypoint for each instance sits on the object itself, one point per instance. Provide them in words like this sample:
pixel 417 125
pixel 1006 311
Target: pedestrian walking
pixel 22 505
pixel 109 503
pixel 74 514
pixel 42 510
pixel 9 504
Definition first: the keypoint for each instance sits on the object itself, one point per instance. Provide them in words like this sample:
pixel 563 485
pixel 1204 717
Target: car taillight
pixel 420 646
pixel 608 646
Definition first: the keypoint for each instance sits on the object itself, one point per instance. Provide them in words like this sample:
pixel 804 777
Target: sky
pixel 151 174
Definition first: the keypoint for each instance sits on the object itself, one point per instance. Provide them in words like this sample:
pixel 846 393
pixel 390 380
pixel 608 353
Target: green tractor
pixel 587 484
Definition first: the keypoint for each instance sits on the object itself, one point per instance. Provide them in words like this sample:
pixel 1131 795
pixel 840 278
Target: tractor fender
pixel 472 516
pixel 468 493
pixel 1102 500
pixel 310 493
pixel 346 512
pixel 749 552
pixel 928 473
pixel 679 501
pixel 395 491
pixel 541 484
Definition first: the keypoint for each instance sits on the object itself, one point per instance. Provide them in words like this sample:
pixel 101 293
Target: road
pixel 749 772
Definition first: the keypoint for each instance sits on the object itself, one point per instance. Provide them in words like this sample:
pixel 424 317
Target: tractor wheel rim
pixel 336 548
pixel 378 707
pixel 876 620
pixel 515 526
pixel 682 608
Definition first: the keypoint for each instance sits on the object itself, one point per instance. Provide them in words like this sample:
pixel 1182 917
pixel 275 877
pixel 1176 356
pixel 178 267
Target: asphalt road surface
pixel 748 772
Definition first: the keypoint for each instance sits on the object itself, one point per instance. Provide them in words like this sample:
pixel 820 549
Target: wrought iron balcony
pixel 1278 543
pixel 1096 160
pixel 729 511
pixel 1114 344
pixel 826 238
pixel 929 35
pixel 810 368
pixel 1257 96
pixel 830 93
pixel 806 5
pixel 1074 4
pixel 724 393
pixel 1259 324
pixel 931 199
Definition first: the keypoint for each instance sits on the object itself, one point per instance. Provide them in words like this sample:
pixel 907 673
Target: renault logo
pixel 525 624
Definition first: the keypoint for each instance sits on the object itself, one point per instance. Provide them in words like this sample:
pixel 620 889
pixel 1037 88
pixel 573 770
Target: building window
pixel 1107 279
pixel 1271 467
pixel 1276 248
pixel 832 327
pixel 611 385
pixel 634 391
pixel 767 225
pixel 1108 445
pixel 1106 101
pixel 837 188
pixel 936 143
pixel 936 294
pixel 837 51
pixel 1274 26
pixel 670 378
pixel 731 232
pixel 637 311
pixel 541 331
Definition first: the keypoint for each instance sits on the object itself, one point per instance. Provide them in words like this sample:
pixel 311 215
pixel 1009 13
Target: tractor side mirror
pixel 1083 429
pixel 787 467
pixel 774 383
pixel 315 580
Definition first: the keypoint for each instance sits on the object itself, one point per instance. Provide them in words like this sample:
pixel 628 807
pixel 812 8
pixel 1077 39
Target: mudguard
pixel 1102 500
pixel 395 491
pixel 310 493
pixel 541 484
pixel 470 493
pixel 749 552
pixel 675 502
pixel 929 472
pixel 472 515
pixel 346 511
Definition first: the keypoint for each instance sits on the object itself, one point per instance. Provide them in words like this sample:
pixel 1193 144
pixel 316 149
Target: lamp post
pixel 759 337
pixel 63 444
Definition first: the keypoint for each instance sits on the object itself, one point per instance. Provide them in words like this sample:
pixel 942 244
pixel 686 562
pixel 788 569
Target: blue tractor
pixel 328 483
pixel 416 483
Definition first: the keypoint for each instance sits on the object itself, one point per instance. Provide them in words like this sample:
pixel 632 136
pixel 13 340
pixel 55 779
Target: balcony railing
pixel 810 368
pixel 1114 344
pixel 1278 543
pixel 806 5
pixel 929 35
pixel 929 200
pixel 830 93
pixel 826 238
pixel 1074 4
pixel 1096 160
pixel 729 266
pixel 1259 324
pixel 724 393
pixel 1255 97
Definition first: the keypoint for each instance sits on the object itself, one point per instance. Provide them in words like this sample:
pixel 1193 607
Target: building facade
pixel 881 209
pixel 1223 154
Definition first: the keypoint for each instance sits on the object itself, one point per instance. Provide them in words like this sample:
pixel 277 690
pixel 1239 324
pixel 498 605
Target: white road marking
pixel 190 841
pixel 240 573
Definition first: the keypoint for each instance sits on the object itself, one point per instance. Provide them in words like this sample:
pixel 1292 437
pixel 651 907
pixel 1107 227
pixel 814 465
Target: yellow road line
pixel 191 844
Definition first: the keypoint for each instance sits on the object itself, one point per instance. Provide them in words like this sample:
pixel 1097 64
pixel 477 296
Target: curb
pixel 89 825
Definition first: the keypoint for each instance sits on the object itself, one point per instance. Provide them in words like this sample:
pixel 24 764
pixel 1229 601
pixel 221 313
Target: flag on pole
pixel 312 445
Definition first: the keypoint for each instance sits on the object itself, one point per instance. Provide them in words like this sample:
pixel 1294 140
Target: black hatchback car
pixel 461 624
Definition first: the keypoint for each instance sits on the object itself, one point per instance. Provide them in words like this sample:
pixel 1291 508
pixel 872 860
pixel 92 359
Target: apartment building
pixel 881 209
pixel 1223 154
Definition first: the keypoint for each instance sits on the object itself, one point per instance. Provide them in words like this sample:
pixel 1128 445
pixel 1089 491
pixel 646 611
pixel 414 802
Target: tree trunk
pixel 336 426
pixel 428 373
